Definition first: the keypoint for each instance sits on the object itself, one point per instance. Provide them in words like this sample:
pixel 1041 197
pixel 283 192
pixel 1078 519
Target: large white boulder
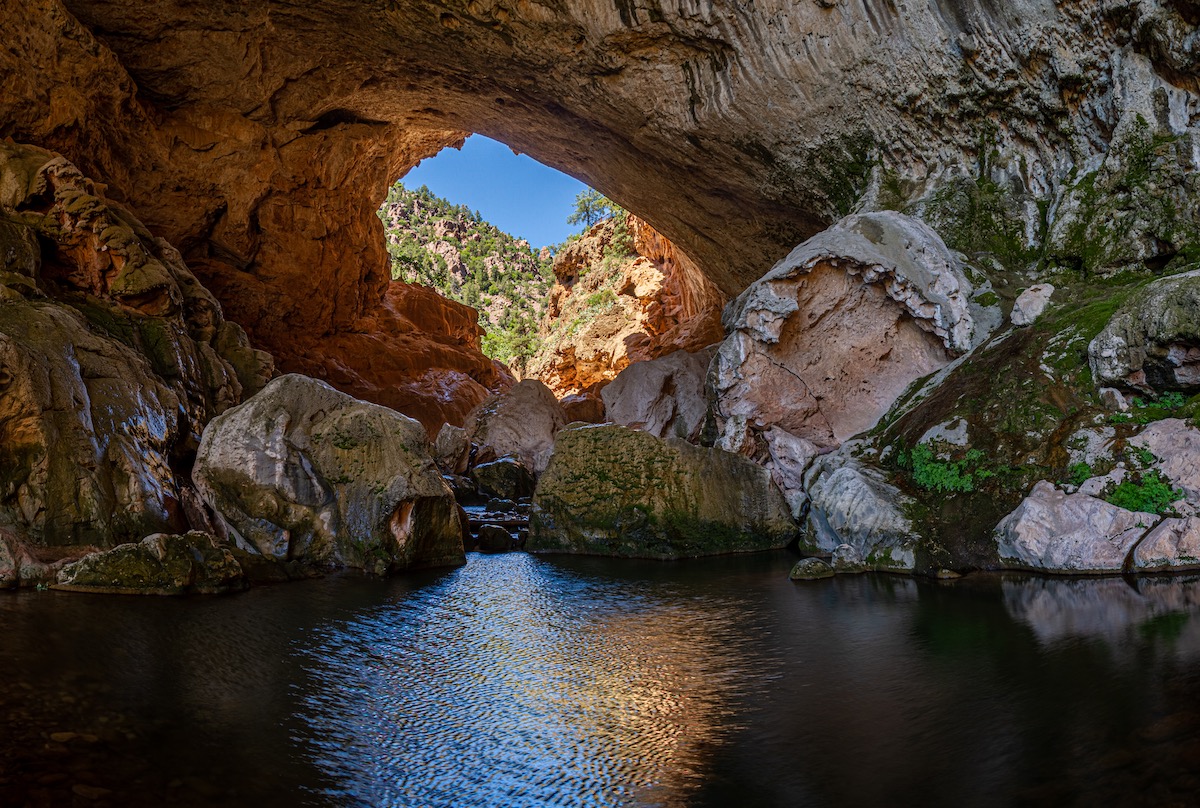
pixel 303 472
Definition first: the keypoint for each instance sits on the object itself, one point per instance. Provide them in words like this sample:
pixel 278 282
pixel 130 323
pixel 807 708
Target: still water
pixel 533 681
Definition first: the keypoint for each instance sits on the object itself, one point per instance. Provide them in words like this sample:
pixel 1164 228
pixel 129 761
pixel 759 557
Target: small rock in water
pixel 90 792
pixel 500 506
pixel 810 569
pixel 494 539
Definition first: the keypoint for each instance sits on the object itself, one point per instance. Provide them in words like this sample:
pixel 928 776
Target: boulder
pixel 611 490
pixel 1152 343
pixel 810 569
pixel 1031 303
pixel 162 564
pixel 1172 545
pixel 451 448
pixel 303 472
pixel 664 397
pixel 505 478
pixel 520 423
pixel 853 504
pixel 494 539
pixel 826 341
pixel 1053 531
pixel 584 408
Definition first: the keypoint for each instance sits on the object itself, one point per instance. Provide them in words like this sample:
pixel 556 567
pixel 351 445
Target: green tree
pixel 591 206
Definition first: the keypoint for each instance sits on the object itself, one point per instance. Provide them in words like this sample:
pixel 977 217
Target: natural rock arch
pixel 259 137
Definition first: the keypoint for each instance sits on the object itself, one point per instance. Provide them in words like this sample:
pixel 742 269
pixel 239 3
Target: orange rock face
pixel 277 221
pixel 606 312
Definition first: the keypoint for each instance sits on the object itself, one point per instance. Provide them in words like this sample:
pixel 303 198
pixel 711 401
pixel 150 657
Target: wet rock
pixel 1031 303
pixel 494 539
pixel 847 559
pixel 1071 533
pixel 1172 545
pixel 854 505
pixel 195 563
pixel 810 569
pixel 664 397
pixel 610 490
pixel 521 423
pixel 451 448
pixel 303 472
pixel 496 505
pixel 111 362
pixel 826 341
pixel 505 478
pixel 1153 341
pixel 462 487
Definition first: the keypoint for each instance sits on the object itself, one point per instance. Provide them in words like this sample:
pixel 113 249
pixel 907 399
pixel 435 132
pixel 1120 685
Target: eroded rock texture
pixel 261 137
pixel 825 342
pixel 615 305
pixel 112 359
pixel 1153 342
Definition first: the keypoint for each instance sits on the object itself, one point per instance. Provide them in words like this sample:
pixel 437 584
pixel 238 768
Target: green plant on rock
pixel 947 477
pixel 1079 473
pixel 1148 493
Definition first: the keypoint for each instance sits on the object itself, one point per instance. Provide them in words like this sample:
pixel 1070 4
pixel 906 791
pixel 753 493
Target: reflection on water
pixel 526 681
pixel 1110 609
pixel 521 684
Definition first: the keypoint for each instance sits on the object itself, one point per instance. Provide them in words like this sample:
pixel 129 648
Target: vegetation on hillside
pixel 452 249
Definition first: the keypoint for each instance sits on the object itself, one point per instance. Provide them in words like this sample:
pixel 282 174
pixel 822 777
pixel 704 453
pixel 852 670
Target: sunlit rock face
pixel 261 138
pixel 609 310
pixel 112 359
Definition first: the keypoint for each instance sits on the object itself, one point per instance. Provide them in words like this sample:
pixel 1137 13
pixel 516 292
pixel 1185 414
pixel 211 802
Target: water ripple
pixel 563 690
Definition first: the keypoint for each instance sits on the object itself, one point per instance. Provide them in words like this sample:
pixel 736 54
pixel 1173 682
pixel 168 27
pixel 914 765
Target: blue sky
pixel 514 192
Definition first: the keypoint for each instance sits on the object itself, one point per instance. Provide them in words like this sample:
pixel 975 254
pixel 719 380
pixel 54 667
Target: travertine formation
pixel 825 342
pixel 260 138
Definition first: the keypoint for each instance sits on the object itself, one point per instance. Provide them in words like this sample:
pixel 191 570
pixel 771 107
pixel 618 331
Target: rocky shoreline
pixel 872 404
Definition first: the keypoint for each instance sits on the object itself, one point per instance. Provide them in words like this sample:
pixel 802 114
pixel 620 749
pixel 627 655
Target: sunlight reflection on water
pixel 563 692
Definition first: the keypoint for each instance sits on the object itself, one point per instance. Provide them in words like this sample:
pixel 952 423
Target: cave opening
pixel 570 288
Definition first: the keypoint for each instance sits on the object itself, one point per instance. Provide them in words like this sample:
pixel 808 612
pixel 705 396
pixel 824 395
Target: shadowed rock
pixel 610 490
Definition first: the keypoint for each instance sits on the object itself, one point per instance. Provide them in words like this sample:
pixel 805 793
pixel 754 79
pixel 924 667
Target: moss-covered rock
pixel 195 563
pixel 303 472
pixel 610 490
pixel 1152 343
pixel 506 478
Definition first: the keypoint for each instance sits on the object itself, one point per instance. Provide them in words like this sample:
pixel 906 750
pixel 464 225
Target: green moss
pixel 980 217
pixel 1148 493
